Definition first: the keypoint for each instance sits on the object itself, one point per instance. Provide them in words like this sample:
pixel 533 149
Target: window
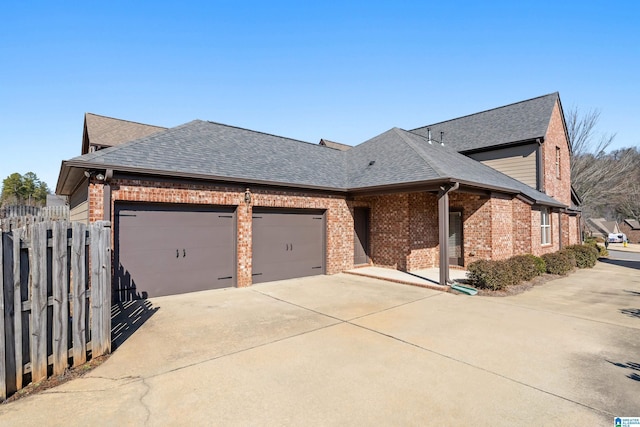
pixel 545 226
pixel 558 162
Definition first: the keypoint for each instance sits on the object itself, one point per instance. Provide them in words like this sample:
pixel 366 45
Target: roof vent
pixel 430 140
pixel 372 162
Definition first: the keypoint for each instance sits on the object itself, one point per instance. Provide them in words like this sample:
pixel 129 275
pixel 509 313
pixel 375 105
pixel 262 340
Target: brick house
pixel 631 228
pixel 205 205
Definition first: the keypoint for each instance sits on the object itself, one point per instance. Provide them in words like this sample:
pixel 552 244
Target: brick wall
pixel 521 227
pixel 339 233
pixel 424 247
pixel 389 229
pixel 558 188
pixel 501 227
pixel 476 224
pixel 574 230
pixel 565 230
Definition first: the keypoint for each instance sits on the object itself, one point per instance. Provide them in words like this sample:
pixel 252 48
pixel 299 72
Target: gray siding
pixel 79 204
pixel 517 162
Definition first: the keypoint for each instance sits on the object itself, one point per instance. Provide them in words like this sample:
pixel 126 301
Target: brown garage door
pixel 172 249
pixel 287 244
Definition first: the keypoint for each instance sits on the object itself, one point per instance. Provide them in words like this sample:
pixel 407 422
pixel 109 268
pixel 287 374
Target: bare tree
pixel 628 205
pixel 600 179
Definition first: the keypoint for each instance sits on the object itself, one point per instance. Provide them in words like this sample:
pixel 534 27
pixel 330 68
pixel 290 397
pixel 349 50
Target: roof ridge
pixel 401 133
pixel 261 133
pixel 124 120
pixel 486 111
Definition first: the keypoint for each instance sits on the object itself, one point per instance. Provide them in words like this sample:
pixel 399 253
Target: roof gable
pixel 519 122
pixel 105 131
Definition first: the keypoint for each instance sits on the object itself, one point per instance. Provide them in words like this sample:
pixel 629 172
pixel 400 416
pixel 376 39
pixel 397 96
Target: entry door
pixel 360 236
pixel 455 238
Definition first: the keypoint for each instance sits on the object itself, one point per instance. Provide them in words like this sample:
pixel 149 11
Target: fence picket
pixel 17 309
pixel 38 285
pixel 100 284
pixel 60 294
pixel 3 352
pixel 79 290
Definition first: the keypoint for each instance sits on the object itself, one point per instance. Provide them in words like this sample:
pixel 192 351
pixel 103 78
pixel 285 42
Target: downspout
pixel 443 219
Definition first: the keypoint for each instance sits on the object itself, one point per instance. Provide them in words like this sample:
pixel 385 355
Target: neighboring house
pixel 54 200
pixel 335 145
pixel 205 205
pixel 101 132
pixel 600 227
pixel 631 228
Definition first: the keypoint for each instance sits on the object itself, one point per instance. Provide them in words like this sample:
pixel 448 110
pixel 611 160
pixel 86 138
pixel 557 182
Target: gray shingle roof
pixel 635 225
pixel 522 121
pixel 216 150
pixel 403 157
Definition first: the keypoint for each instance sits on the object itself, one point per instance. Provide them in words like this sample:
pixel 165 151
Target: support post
pixel 443 227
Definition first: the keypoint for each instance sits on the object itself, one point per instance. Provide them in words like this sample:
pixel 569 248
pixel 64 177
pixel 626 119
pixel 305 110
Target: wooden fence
pixel 55 282
pixel 18 216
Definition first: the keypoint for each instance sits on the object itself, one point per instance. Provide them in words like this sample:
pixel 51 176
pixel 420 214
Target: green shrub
pixel 586 256
pixel 493 275
pixel 526 267
pixel 602 251
pixel 541 266
pixel 560 262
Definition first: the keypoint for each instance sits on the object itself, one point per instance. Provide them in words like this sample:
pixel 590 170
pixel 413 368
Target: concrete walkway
pixel 348 350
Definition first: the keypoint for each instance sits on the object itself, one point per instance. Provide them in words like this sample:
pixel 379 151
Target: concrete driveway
pixel 348 350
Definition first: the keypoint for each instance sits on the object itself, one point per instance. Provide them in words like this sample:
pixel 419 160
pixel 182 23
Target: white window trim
pixel 545 226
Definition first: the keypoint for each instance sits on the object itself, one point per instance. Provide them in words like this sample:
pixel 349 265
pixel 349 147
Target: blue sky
pixel 344 71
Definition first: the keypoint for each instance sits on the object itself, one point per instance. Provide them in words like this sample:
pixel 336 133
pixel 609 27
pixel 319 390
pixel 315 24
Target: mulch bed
pixel 517 289
pixel 54 381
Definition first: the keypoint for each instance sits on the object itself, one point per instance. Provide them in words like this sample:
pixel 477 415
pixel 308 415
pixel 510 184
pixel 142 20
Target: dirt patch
pixel 54 381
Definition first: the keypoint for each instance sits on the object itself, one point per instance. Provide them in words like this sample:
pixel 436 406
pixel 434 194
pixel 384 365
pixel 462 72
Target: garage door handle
pixel 287 247
pixel 184 253
pixel 177 253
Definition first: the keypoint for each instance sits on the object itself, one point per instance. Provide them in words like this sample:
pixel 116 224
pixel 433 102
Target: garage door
pixel 287 244
pixel 172 249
